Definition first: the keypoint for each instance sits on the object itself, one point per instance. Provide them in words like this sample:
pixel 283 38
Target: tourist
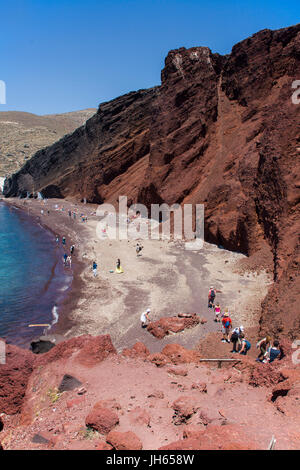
pixel 217 313
pixel 69 260
pixel 235 338
pixel 138 249
pixel 63 241
pixel 119 268
pixel 211 297
pixel 274 352
pixel 227 325
pixel 65 257
pixel 145 319
pixel 245 345
pixel 72 249
pixel 263 345
pixel 95 268
pixel 57 239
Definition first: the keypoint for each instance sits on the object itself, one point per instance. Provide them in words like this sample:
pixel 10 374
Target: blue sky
pixel 64 55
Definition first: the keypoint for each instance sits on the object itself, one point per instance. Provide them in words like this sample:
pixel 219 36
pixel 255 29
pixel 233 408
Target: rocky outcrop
pixel 14 376
pixel 220 131
pixel 165 326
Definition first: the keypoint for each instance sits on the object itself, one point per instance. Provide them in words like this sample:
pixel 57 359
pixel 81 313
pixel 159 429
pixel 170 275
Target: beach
pixel 166 278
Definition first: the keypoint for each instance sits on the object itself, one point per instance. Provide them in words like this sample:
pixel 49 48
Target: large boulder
pixel 124 440
pixel 101 419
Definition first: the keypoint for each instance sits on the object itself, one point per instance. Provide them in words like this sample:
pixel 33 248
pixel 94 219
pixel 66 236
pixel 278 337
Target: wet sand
pixel 166 278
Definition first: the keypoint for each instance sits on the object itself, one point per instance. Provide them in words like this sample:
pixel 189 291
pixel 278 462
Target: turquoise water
pixel 32 277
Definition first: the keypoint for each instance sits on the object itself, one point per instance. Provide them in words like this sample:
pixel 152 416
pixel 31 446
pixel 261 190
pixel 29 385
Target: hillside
pixel 83 395
pixel 23 134
pixel 220 130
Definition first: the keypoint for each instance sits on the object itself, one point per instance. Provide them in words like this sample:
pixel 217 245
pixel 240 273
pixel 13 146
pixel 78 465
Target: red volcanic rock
pixel 1 448
pixel 192 431
pixel 184 409
pixel 200 386
pixel 102 419
pixel 164 326
pixel 139 416
pixel 90 350
pixel 182 444
pixel 102 445
pixel 138 350
pixel 95 350
pixel 158 359
pixel 229 437
pixel 265 375
pixel 179 355
pixel 14 376
pixel 180 372
pixel 124 440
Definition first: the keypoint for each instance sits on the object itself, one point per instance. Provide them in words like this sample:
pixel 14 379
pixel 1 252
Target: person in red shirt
pixel 226 327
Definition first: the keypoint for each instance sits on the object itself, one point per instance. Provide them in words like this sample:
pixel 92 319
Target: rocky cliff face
pixel 222 131
pixel 110 151
pixel 23 134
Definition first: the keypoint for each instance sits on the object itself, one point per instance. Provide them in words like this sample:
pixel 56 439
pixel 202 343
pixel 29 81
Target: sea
pixel 33 280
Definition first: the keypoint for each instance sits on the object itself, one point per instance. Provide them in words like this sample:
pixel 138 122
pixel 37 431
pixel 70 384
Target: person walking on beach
pixel 65 259
pixel 57 239
pixel 226 327
pixel 95 268
pixel 63 241
pixel 263 345
pixel 145 319
pixel 69 260
pixel 72 249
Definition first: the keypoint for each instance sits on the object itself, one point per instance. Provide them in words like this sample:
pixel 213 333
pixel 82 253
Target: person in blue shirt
pixel 274 352
pixel 95 268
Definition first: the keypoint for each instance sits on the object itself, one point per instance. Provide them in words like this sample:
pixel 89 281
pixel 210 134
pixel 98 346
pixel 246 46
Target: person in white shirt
pixel 145 318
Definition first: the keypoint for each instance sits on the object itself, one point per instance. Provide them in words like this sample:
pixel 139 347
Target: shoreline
pixel 72 293
pixel 166 277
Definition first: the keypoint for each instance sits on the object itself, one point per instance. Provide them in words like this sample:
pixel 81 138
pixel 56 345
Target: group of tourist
pixel 67 259
pixel 269 351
